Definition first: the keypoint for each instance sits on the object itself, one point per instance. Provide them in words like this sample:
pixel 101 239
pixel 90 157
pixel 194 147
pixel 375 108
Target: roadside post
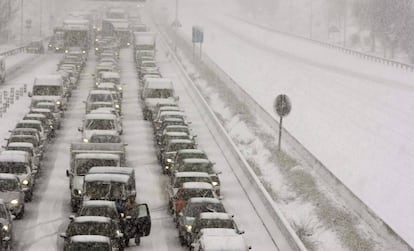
pixel 197 37
pixel 282 106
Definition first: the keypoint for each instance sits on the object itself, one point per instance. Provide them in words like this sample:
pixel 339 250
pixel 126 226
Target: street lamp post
pixel 176 23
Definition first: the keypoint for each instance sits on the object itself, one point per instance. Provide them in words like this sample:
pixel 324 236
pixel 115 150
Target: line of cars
pixel 193 189
pixel 102 188
pixel 21 158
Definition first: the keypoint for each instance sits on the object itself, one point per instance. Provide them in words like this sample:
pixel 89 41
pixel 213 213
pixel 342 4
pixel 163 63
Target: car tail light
pixel 179 204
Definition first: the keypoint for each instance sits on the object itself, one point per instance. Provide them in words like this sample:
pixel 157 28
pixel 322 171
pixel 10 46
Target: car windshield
pixel 149 64
pixel 196 167
pixel 178 146
pixel 180 180
pixel 183 156
pixel 29 125
pixel 100 124
pixel 215 223
pixel 39 90
pixel 195 209
pixel 185 194
pixel 99 211
pixel 90 228
pixel 28 139
pixel 112 80
pixel 13 167
pixel 8 185
pixel 98 190
pixel 105 139
pixel 159 93
pixel 83 165
pixel 89 246
pixel 100 98
pixel 178 129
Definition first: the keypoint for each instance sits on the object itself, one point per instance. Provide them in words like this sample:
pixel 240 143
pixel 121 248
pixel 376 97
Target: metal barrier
pixel 366 56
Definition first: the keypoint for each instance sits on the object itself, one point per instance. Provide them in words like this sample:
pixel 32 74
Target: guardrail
pixel 292 241
pixel 19 49
pixel 366 56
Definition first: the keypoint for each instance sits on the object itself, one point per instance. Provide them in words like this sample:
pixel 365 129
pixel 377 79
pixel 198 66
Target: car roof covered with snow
pixel 50 80
pixel 20 144
pixel 42 110
pixel 107 116
pixel 204 200
pixel 215 215
pixel 159 83
pixel 14 156
pixel 181 141
pixel 106 177
pixel 98 203
pixel 83 219
pixel 189 151
pixel 220 239
pixel 196 185
pixel 191 174
pixel 106 85
pixel 196 161
pixel 98 92
pixel 8 176
pixel 29 121
pixel 90 238
pixel 110 74
pixel 97 155
pixel 111 169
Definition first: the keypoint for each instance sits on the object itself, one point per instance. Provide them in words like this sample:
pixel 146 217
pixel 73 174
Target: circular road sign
pixel 282 105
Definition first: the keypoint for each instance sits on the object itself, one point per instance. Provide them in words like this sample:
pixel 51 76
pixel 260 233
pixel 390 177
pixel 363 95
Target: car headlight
pixel 214 183
pixel 169 160
pixel 122 215
pixel 25 182
pixel 119 87
pixel 57 48
pixel 50 45
pixel 167 167
pixel 66 51
pixel 14 202
pixel 96 40
pixel 85 140
pixel 128 44
pixel 96 49
pixel 116 106
pixel 58 102
pixel 188 228
pixel 77 192
pixel 5 228
pixel 83 52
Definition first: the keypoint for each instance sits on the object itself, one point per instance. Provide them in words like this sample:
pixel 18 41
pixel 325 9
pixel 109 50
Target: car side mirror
pixel 241 232
pixel 221 197
pixel 218 173
pixel 67 173
pixel 80 129
pixel 13 217
pixel 72 217
pixel 63 235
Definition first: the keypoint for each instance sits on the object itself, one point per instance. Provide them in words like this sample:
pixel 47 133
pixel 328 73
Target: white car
pixel 96 123
pixel 218 239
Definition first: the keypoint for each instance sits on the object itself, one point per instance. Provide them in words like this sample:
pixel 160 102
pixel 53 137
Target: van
pixel 2 69
pixel 50 87
pixel 155 91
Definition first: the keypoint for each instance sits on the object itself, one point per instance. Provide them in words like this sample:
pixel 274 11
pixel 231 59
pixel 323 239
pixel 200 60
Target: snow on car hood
pixel 150 103
pixel 87 134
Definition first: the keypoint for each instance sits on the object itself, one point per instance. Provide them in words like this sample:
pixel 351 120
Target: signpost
pixel 282 106
pixel 197 37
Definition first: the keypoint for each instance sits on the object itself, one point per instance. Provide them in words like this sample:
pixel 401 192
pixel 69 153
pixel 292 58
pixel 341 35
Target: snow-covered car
pixel 99 123
pixel 194 207
pixel 148 66
pixel 53 107
pixel 89 242
pixel 167 122
pixel 93 225
pixel 18 137
pixel 116 170
pixel 167 114
pixel 12 193
pixel 211 220
pixel 49 115
pixel 167 154
pixel 178 179
pixel 47 124
pixel 26 147
pixel 164 108
pixel 189 190
pixel 6 226
pixel 109 110
pixel 217 239
pixel 174 128
pixel 200 165
pixel 35 124
pixel 156 90
pixel 105 137
pixel 187 154
pixel 19 163
pixel 112 77
pixel 99 98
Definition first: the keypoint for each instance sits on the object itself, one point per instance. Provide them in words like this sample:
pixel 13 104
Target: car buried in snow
pixel 50 88
pixel 28 148
pixel 99 123
pixel 6 227
pixel 167 153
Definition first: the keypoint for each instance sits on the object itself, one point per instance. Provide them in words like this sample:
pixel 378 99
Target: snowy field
pixel 353 115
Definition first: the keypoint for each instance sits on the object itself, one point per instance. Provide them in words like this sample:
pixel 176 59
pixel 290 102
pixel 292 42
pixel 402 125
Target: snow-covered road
pixel 353 115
